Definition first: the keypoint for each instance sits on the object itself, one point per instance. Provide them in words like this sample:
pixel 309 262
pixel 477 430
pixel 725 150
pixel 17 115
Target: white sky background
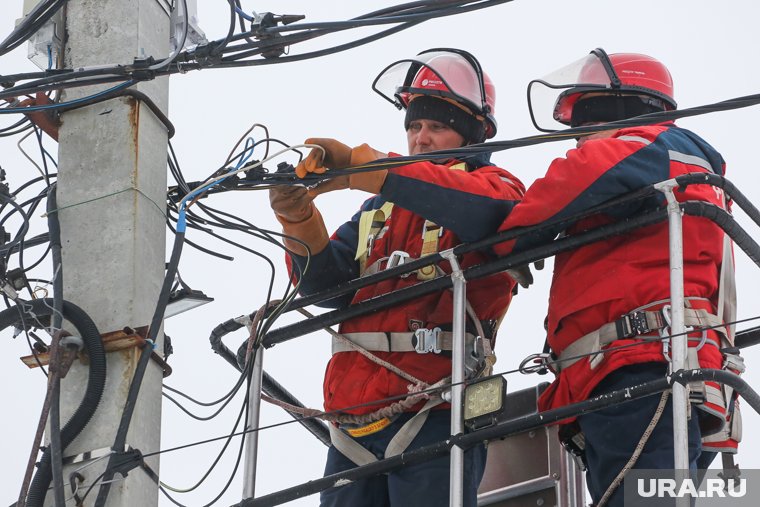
pixel 711 48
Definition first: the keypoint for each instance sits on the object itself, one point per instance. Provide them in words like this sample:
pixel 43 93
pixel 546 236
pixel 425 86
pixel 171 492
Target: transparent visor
pixel 545 94
pixel 438 73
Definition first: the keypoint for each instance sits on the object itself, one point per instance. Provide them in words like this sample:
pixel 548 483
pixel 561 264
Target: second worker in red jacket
pixel 615 293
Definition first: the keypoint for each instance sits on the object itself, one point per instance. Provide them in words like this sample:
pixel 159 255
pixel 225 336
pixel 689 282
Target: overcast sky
pixel 711 49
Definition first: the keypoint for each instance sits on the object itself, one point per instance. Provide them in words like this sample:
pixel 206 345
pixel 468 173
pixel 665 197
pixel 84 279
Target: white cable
pixel 44 176
pixel 177 47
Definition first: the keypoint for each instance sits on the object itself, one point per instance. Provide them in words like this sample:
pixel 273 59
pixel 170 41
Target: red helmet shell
pixel 637 74
pixel 452 76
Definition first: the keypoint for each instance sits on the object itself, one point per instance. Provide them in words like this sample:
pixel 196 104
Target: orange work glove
pixel 340 156
pixel 336 156
pixel 301 221
pixel 291 203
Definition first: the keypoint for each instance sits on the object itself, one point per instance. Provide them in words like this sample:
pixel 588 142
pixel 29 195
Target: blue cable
pixel 243 14
pixel 50 57
pixel 181 215
pixel 45 107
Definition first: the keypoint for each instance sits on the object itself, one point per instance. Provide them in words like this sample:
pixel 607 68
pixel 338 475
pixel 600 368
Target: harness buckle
pixel 427 340
pixel 632 324
pixel 431 226
pixel 396 258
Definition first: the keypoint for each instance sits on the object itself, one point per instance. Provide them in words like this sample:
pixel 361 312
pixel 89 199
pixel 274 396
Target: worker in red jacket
pixel 417 209
pixel 616 292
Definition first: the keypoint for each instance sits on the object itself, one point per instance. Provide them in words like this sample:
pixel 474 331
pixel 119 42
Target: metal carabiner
pixel 541 364
pixel 665 332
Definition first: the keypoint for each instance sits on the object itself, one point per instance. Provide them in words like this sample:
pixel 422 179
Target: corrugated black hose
pixel 27 315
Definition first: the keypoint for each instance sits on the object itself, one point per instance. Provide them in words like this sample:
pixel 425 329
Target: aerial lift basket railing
pixel 459 441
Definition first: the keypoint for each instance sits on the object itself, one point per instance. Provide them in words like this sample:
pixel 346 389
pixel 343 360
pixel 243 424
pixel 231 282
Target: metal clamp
pixel 427 340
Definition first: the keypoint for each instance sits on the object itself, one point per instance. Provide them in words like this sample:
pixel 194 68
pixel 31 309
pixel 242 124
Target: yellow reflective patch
pixel 368 429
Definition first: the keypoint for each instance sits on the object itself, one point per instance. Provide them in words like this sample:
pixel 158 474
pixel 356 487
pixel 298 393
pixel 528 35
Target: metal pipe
pixel 678 340
pixel 456 464
pixel 252 423
pixel 517 490
pixel 570 487
pixel 507 428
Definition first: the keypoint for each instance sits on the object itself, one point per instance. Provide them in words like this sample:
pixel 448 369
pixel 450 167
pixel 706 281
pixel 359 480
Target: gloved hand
pixel 339 156
pixel 336 156
pixel 292 204
pixel 521 275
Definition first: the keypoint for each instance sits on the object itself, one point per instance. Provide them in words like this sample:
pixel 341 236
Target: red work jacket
pixel 598 283
pixel 469 205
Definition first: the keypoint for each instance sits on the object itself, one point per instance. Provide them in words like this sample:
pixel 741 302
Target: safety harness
pixel 479 357
pixel 636 324
pixel 372 227
pixel 711 397
pixel 479 360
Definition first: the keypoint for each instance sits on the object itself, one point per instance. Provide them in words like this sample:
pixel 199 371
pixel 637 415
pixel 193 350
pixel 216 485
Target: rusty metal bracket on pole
pixel 112 342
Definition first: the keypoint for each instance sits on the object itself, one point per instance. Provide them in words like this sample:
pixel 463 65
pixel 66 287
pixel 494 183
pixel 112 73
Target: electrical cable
pixel 218 47
pixel 36 18
pixel 29 312
pixel 64 79
pixel 43 153
pixel 21 126
pixel 229 394
pixel 24 226
pixel 402 396
pixel 142 363
pixel 224 402
pixel 59 105
pixel 235 61
pixel 178 46
pixel 153 331
pixel 243 411
pixel 56 448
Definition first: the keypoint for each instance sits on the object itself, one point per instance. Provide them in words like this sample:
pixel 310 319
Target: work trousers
pixel 613 433
pixel 423 484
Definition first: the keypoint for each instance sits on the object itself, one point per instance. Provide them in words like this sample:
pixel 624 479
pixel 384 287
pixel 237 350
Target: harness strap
pixel 430 234
pixel 628 326
pixel 349 447
pixel 395 342
pixel 357 453
pixel 370 224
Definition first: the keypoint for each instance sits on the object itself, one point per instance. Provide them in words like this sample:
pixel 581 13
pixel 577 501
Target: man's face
pixel 424 136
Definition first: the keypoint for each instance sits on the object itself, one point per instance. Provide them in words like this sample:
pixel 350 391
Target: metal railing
pixel 454 446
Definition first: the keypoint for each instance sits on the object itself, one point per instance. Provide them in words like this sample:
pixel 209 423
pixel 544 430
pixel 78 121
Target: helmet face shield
pixel 591 73
pixel 447 73
pixel 622 75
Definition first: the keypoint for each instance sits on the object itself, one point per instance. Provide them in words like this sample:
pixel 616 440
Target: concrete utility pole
pixel 111 194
